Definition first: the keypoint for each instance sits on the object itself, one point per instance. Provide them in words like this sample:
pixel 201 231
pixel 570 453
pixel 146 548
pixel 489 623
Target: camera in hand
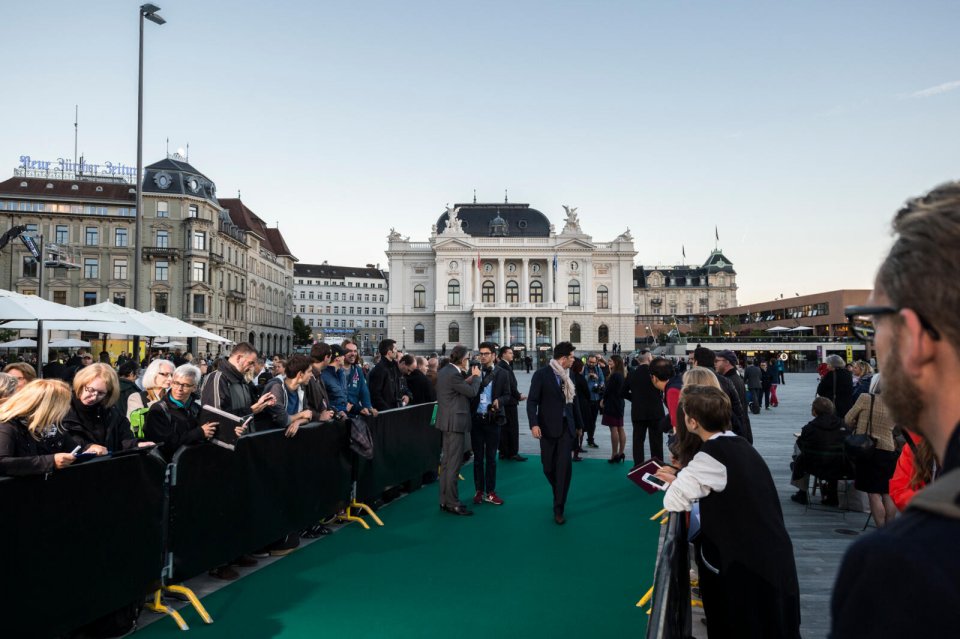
pixel 474 362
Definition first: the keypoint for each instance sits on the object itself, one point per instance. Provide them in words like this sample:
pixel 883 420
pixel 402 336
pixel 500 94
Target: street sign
pixel 31 246
pixel 849 354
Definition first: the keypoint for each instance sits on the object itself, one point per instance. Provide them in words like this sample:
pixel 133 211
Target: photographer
pixel 488 414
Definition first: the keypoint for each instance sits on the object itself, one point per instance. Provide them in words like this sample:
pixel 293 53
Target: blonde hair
pixel 42 402
pixel 700 376
pixel 109 376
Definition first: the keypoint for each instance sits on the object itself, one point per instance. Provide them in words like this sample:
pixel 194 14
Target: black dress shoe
pixel 457 510
pixel 559 520
pixel 518 458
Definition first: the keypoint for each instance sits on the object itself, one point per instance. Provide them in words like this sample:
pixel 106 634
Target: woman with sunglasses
pixel 95 420
pixel 156 380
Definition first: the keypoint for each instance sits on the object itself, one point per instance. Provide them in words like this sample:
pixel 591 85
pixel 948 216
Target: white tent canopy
pixel 20 343
pixel 69 343
pixel 172 327
pixel 801 328
pixel 778 329
pixel 14 306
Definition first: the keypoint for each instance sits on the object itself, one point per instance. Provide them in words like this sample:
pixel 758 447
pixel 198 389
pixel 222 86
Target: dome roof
pixel 176 177
pixel 479 219
pixel 718 263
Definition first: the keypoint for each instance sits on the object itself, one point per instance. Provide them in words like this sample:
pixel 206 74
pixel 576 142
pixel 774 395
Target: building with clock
pixel 501 272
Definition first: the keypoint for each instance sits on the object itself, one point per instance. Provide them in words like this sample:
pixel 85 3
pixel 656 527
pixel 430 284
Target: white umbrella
pixel 169 345
pixel 174 327
pixel 20 343
pixel 14 306
pixel 69 343
pixel 777 329
pixel 801 328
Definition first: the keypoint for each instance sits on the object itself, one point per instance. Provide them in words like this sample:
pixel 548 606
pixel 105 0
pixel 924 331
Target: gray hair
pixel 875 385
pixel 8 385
pixel 150 375
pixel 835 361
pixel 188 370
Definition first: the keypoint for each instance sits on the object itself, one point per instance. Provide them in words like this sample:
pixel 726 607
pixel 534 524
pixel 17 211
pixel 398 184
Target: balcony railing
pixel 237 295
pixel 160 253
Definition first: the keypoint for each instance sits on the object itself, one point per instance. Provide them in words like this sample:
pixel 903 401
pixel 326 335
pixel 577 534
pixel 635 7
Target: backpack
pixel 361 439
pixel 138 417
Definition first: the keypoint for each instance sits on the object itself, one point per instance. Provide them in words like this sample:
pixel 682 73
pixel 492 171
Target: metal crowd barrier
pixel 670 612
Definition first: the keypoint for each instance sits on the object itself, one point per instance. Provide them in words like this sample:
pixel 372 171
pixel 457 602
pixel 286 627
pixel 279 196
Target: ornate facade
pixel 501 272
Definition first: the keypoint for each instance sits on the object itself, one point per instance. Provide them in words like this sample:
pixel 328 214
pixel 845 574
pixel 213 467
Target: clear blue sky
pixel 797 128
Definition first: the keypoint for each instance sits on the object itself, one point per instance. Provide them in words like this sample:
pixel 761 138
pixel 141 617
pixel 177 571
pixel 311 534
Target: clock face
pixel 536 268
pixel 453 265
pixel 512 267
pixel 488 267
pixel 193 184
pixel 574 266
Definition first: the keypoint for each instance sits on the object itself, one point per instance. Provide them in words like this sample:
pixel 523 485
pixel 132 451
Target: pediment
pixel 451 243
pixel 575 244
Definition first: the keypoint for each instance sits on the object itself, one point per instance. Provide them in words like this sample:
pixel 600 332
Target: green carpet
pixel 508 571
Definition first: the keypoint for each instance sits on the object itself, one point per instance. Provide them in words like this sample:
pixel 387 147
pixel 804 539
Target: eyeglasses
pixel 93 391
pixel 164 374
pixel 182 385
pixel 861 320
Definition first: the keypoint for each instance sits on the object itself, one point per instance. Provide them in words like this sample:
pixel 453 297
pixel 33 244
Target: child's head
pixel 708 406
pixel 822 406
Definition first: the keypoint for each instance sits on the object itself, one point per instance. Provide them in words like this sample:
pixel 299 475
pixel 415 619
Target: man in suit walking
pixel 455 390
pixel 646 409
pixel 550 411
pixel 510 433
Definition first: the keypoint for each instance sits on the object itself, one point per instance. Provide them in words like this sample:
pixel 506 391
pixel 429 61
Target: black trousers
pixel 591 426
pixel 556 455
pixel 766 396
pixel 484 437
pixel 510 434
pixel 647 428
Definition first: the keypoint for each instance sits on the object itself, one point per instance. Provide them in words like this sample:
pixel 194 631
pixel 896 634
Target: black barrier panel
pixel 670 612
pixel 405 446
pixel 227 503
pixel 79 543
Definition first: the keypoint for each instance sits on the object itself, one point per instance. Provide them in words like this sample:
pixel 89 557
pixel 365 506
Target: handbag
pixel 860 446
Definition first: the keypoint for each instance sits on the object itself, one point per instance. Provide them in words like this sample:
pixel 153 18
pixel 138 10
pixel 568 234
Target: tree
pixel 302 335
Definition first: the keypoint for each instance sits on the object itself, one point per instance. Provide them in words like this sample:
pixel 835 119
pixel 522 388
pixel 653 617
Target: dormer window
pixel 49 185
pixel 74 187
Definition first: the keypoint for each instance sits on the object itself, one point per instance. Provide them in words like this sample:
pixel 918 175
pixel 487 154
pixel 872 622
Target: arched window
pixel 418 334
pixel 536 291
pixel 575 333
pixel 721 280
pixel 603 334
pixel 513 291
pixel 419 296
pixel 453 332
pixel 573 298
pixel 603 297
pixel 453 293
pixel 489 292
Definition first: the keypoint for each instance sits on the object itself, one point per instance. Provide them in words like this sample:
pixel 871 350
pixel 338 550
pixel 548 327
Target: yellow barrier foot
pixel 193 599
pixel 664 520
pixel 159 607
pixel 658 515
pixel 348 517
pixel 367 510
pixel 644 599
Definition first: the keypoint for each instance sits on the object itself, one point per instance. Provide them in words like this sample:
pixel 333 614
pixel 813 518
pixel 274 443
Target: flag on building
pixel 683 249
pixel 556 263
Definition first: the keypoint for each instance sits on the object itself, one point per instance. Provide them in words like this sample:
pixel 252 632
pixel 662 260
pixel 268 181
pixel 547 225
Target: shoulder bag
pixel 860 446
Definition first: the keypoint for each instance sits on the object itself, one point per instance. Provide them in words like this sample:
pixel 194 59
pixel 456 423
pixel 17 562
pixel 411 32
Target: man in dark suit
pixel 487 410
pixel 646 409
pixel 510 433
pixel 455 389
pixel 550 411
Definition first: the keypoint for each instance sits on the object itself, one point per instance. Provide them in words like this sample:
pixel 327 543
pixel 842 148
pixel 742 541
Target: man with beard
pixel 912 317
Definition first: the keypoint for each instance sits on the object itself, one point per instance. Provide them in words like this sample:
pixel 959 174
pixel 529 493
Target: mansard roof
pixel 521 220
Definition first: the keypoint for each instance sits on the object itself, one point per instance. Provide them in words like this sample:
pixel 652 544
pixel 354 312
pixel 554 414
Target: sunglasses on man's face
pixel 862 321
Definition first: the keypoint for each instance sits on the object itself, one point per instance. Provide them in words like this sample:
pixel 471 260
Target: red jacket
pixel 900 491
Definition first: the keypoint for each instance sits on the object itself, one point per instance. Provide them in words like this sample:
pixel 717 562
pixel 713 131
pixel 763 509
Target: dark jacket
pixel 421 388
pixel 837 386
pixel 613 403
pixel 768 377
pixel 822 433
pixel 583 397
pixel 227 390
pixel 500 392
pixel 95 424
pixel 739 422
pixel 274 417
pixel 746 429
pixel 315 397
pixel 547 407
pixel 384 382
pixel 512 377
pixel 646 402
pixel 753 376
pixel 21 454
pixel 171 426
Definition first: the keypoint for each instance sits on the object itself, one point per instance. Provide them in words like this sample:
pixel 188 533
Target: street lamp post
pixel 404 342
pixel 148 11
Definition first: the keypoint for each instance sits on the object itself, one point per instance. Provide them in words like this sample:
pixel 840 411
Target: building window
pixel 160 302
pixel 199 241
pixel 60 297
pixel 162 210
pixel 573 298
pixel 419 296
pixel 453 332
pixel 199 303
pixel 120 299
pixel 92 236
pixel 453 293
pixel 193 211
pixel 161 271
pixel 575 333
pixel 120 237
pixel 29 266
pixel 418 334
pixel 603 297
pixel 120 269
pixel 536 291
pixel 199 272
pixel 603 334
pixel 91 268
pixel 488 292
pixel 513 292
pixel 89 298
pixel 163 239
pixel 63 234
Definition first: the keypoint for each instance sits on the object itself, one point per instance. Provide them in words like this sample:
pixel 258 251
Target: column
pixel 548 275
pixel 504 331
pixel 586 294
pixel 525 281
pixel 477 330
pixel 531 336
pixel 476 287
pixel 560 336
pixel 501 283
